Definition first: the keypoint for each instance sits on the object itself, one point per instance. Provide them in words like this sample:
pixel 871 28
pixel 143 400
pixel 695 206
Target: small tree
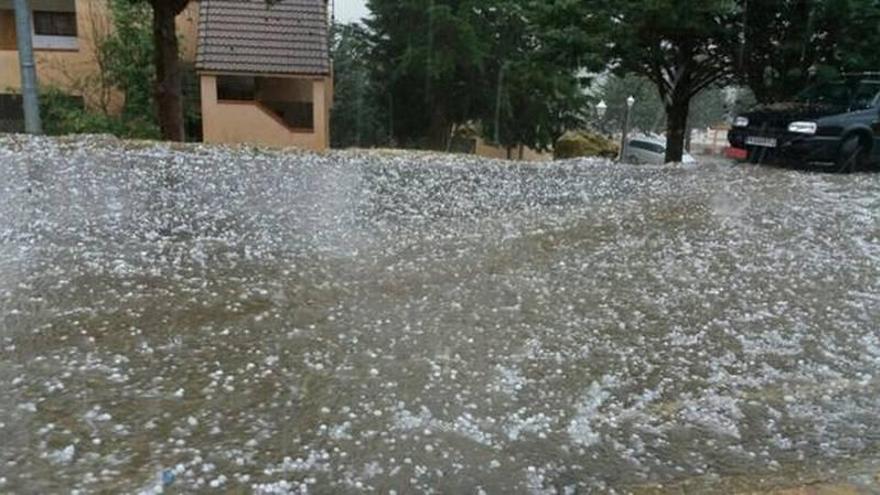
pixel 168 91
pixel 126 55
pixel 681 46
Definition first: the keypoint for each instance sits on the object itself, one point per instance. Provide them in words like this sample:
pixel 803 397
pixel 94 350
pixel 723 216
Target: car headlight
pixel 803 127
pixel 741 122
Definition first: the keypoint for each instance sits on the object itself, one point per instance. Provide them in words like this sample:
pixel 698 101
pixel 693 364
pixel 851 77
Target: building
pixel 65 36
pixel 265 72
pixel 264 69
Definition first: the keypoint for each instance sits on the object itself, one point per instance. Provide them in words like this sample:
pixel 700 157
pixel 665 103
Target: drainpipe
pixel 32 124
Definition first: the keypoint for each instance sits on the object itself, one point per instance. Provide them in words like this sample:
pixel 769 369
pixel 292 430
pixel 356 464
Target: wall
pixel 188 32
pixel 247 122
pixel 76 71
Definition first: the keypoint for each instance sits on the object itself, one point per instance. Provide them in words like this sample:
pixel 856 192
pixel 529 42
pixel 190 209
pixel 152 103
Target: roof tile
pixel 254 36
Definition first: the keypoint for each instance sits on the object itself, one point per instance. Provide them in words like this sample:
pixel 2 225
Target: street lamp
pixel 601 108
pixel 30 97
pixel 629 105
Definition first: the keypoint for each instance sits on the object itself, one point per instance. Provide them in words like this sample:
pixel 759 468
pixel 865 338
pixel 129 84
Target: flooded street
pixel 243 321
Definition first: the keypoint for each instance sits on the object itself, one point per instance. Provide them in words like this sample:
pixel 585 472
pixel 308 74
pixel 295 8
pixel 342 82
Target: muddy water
pixel 209 319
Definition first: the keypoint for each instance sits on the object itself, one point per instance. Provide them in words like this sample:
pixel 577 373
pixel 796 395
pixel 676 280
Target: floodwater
pixel 237 320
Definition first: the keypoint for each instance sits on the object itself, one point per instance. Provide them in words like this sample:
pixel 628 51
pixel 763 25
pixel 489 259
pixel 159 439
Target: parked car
pixel 834 124
pixel 649 150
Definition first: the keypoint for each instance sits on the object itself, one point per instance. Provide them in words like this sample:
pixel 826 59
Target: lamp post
pixel 601 108
pixel 29 95
pixel 629 105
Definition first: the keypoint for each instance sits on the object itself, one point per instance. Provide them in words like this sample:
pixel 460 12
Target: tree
pixel 534 99
pixel 710 107
pixel 785 44
pixel 168 92
pixel 857 47
pixel 789 44
pixel 126 59
pixel 428 59
pixel 681 46
pixel 358 118
pixel 442 63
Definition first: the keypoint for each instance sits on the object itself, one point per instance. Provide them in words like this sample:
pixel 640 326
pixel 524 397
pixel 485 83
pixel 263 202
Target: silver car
pixel 651 151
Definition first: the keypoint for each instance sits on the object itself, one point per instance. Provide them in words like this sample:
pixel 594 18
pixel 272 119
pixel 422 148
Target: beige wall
pixel 76 71
pixel 73 70
pixel 188 32
pixel 250 123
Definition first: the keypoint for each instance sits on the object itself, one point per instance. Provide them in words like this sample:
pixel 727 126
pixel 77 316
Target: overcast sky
pixel 350 10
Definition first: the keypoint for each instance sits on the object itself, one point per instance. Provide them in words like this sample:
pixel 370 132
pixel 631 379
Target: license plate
pixel 761 141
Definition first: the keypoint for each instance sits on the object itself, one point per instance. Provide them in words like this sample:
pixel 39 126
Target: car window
pixel 638 145
pixel 866 95
pixel 835 93
pixel 648 146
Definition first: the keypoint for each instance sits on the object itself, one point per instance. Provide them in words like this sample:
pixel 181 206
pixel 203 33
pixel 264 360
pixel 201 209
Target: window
pixel 866 95
pixel 7 30
pixel 644 145
pixel 55 23
pixel 237 88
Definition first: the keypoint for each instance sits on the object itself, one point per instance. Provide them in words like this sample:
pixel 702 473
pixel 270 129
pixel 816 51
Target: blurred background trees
pixel 526 71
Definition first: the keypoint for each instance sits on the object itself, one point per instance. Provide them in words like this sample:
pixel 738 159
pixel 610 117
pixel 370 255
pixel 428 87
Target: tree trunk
pixel 676 128
pixel 169 100
pixel 438 132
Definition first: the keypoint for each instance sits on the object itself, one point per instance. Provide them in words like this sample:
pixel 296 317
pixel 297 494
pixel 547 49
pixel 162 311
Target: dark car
pixel 833 124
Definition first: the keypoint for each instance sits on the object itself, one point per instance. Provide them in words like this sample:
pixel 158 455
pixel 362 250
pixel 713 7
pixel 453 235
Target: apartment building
pixel 264 68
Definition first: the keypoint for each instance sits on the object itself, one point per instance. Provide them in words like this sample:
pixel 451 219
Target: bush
pixel 575 144
pixel 65 114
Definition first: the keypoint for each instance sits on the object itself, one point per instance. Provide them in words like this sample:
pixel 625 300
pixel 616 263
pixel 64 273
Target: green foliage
pixel 124 56
pixel 128 55
pixel 437 63
pixel 683 47
pixel 427 59
pixel 358 117
pixel 788 44
pixel 64 114
pixel 535 97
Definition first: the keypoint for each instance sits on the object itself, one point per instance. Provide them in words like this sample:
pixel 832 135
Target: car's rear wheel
pixel 853 154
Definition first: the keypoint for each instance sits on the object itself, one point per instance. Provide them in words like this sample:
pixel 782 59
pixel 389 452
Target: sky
pixel 350 10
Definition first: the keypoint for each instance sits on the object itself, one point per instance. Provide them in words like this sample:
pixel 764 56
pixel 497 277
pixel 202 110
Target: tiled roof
pixel 260 37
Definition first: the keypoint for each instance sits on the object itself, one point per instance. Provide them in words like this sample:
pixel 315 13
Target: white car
pixel 651 151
